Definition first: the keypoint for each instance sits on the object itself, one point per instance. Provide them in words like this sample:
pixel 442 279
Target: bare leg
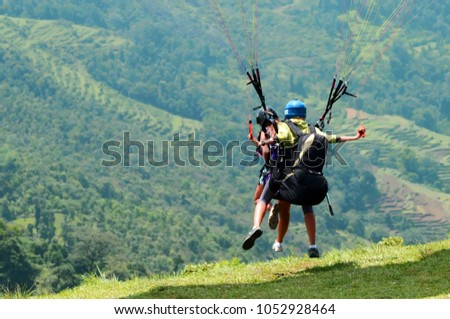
pixel 258 191
pixel 260 211
pixel 310 223
pixel 283 224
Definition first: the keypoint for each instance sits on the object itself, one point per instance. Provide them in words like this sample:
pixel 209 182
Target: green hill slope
pixel 58 52
pixel 73 77
pixel 422 200
pixel 384 270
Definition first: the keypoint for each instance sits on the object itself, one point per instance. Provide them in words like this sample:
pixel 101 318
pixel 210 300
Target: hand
pixel 361 131
pixel 253 139
pixel 271 130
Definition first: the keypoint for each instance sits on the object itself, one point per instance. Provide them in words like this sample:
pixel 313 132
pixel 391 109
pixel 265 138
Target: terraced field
pixel 427 208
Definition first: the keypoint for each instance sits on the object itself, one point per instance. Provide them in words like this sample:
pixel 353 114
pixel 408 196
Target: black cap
pixel 273 113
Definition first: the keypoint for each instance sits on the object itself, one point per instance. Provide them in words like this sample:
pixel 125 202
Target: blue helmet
pixel 295 108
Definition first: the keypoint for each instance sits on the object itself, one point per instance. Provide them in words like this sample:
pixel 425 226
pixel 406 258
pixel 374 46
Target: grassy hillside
pixel 383 270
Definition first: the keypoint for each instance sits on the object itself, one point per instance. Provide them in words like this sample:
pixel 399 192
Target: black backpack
pixel 310 151
pixel 298 177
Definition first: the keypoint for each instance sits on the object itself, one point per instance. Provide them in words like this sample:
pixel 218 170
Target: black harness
pixel 297 176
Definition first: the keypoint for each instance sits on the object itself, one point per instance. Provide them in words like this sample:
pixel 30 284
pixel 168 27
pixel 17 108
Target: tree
pixel 6 212
pixel 47 227
pixel 16 268
pixel 91 250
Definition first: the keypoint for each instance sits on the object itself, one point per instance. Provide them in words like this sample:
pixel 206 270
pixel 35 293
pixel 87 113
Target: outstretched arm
pixel 341 139
pixel 360 133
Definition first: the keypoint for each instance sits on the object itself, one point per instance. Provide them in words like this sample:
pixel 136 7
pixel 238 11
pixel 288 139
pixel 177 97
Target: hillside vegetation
pixel 383 270
pixel 74 78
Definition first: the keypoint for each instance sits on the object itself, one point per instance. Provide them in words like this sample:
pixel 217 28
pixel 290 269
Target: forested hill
pixel 77 77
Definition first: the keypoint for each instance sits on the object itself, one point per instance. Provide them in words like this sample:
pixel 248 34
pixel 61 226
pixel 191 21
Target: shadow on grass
pixel 427 277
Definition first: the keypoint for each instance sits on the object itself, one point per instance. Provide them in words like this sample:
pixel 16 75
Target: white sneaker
pixel 273 217
pixel 277 247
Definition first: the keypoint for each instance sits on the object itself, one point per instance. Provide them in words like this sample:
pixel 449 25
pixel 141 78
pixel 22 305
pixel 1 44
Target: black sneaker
pixel 254 234
pixel 313 253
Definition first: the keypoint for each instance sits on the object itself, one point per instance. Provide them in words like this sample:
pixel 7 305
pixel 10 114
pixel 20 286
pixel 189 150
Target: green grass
pixel 383 270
